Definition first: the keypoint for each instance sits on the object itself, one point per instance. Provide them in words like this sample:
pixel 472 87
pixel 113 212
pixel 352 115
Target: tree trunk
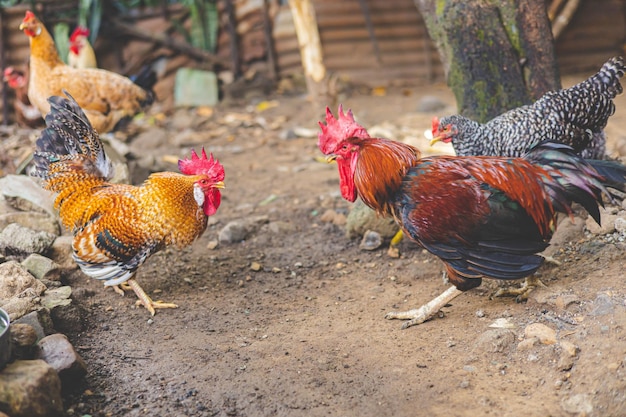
pixel 305 22
pixel 497 55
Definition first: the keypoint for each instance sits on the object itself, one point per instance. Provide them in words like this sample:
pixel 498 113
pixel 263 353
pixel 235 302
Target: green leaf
pixel 61 35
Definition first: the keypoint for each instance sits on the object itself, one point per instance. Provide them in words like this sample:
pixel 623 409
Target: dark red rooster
pixel 484 217
pixel 574 116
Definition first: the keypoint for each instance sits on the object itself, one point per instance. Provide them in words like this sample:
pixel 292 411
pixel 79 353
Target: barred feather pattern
pixel 574 116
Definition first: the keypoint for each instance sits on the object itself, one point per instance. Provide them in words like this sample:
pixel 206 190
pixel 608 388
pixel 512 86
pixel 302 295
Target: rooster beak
pixel 219 185
pixel 22 26
pixel 331 158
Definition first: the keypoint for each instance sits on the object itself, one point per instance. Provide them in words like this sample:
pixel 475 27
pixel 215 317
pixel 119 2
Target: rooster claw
pixel 152 305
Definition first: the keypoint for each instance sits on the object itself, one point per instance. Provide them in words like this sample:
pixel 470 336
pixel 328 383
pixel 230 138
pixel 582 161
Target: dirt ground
pixel 305 335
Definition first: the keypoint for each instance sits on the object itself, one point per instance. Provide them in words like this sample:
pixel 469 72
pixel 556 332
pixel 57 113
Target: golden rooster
pixel 106 97
pixel 81 53
pixel 117 227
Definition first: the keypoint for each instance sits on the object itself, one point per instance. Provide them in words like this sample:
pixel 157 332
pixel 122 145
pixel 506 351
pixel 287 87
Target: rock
pixel 579 404
pixel 23 339
pixel 239 230
pixel 620 225
pixel 57 297
pixel 59 353
pixel 371 240
pixel 17 307
pixel 15 280
pixel 527 344
pixel 543 333
pixel 40 321
pixel 607 223
pixel 361 219
pixel 61 253
pixel 42 268
pixel 23 193
pixel 602 305
pixel 495 341
pixel 566 231
pixel 30 388
pixel 567 355
pixel 19 241
pixel 331 216
pixel 40 222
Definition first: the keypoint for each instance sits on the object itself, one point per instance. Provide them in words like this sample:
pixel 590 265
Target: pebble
pixel 371 241
pixel 543 333
pixel 59 353
pixel 579 404
pixel 602 305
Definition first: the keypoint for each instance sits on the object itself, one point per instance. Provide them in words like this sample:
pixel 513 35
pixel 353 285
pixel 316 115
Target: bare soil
pixel 306 336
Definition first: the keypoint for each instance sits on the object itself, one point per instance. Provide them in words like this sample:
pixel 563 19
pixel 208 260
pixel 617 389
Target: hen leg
pixel 425 312
pixel 521 293
pixel 145 300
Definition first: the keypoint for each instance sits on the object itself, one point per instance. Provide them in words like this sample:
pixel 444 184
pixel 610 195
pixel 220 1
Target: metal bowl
pixel 5 338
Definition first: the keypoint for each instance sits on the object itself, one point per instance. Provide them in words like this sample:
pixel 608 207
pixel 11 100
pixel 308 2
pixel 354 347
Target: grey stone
pixel 30 388
pixel 42 268
pixel 239 230
pixel 41 222
pixel 602 305
pixel 40 321
pixel 20 242
pixel 23 193
pixel 495 341
pixel 371 240
pixel 579 404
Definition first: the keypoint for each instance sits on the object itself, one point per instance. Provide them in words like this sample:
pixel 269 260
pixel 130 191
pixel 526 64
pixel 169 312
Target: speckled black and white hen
pixel 575 116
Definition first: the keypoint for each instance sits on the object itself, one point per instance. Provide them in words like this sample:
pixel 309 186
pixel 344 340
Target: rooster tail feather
pixel 69 143
pixel 574 179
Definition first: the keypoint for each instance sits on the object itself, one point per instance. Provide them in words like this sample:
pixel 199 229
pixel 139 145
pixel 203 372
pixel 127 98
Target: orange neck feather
pixel 42 46
pixel 381 166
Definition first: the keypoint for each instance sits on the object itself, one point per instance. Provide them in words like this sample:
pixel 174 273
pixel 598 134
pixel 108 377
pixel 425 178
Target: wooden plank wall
pixel 407 56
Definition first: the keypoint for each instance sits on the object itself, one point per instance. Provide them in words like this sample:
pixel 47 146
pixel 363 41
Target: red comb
pixel 435 126
pixel 29 16
pixel 338 129
pixel 198 165
pixel 79 31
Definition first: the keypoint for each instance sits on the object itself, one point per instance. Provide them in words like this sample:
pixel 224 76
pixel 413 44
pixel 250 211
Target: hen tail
pixel 589 104
pixel 69 149
pixel 574 179
pixel 147 77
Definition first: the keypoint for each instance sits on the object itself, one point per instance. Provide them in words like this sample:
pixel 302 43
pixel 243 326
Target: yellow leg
pixel 145 300
pixel 393 250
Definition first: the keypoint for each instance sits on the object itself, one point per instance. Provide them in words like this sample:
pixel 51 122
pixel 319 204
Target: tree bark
pixel 305 21
pixel 497 55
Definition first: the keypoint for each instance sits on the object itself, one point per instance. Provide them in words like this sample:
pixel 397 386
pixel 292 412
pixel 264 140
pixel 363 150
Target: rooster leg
pixel 521 293
pixel 145 300
pixel 393 250
pixel 425 312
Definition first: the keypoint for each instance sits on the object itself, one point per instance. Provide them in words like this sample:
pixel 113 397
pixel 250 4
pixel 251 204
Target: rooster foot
pixel 550 260
pixel 145 300
pixel 425 312
pixel 521 293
